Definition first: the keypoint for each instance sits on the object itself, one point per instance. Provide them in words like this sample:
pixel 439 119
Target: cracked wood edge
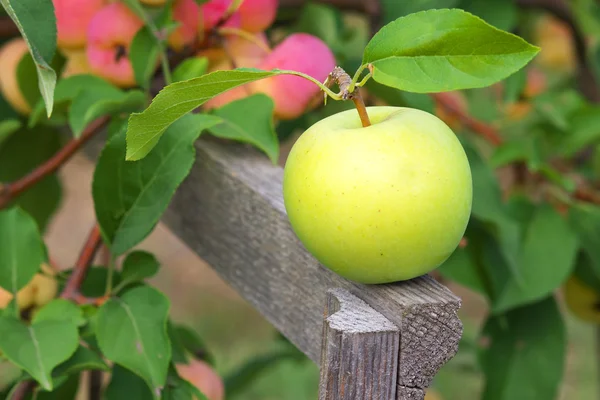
pixel 359 354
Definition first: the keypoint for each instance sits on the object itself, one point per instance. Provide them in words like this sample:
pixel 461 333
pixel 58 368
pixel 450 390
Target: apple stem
pixel 348 91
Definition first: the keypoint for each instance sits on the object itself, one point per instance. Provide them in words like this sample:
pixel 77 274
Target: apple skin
pixel 37 293
pixel 72 20
pixel 201 375
pixel 187 14
pixel 294 95
pixel 257 15
pixel 380 204
pixel 111 31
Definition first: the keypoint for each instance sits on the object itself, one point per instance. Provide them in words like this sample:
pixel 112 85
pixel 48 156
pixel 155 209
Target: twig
pixel 9 191
pixel 23 390
pixel 487 131
pixel 95 388
pixel 93 242
pixel 586 80
pixel 344 82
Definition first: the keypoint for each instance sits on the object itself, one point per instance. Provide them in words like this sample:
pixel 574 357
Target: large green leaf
pixel 176 100
pixel 60 310
pixel 190 68
pixel 443 50
pixel 546 260
pixel 39 347
pixel 249 120
pixel 23 151
pixel 37 23
pixel 130 197
pixel 21 251
pixel 525 353
pixel 132 332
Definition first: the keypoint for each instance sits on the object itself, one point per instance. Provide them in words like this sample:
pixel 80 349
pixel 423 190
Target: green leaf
pixel 37 24
pixel 125 385
pixel 22 249
pixel 176 100
pixel 142 345
pixel 64 389
pixel 130 197
pixel 461 268
pixel 514 86
pixel 190 68
pixel 514 150
pixel 396 97
pixel 584 130
pixel 144 53
pixel 180 389
pixel 83 359
pixel 444 50
pixel 323 21
pixel 94 284
pixel 18 157
pixel 238 380
pixel 546 260
pixel 60 310
pixel 188 340
pixel 38 348
pixel 585 221
pixel 138 266
pixel 249 120
pixel 7 128
pixel 91 104
pixel 525 357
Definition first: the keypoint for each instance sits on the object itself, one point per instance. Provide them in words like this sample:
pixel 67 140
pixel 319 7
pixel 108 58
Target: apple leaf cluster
pixel 531 136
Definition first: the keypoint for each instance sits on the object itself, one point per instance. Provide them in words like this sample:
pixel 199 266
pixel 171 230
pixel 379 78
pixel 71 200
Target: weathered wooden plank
pixel 230 211
pixel 359 354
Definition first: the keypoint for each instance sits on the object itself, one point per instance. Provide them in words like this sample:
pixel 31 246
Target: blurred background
pixel 534 112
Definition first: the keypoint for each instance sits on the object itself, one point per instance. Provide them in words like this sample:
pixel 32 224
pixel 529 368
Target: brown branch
pixel 9 191
pixel 343 80
pixel 586 79
pixel 484 130
pixel 8 28
pixel 23 390
pixel 92 244
pixel 95 389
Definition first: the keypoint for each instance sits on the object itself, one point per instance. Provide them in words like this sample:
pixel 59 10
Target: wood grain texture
pixel 359 354
pixel 230 211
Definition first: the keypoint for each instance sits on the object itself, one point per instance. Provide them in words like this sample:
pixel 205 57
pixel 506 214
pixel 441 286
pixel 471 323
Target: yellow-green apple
pixel 11 53
pixel 201 375
pixel 582 299
pixel 293 95
pixel 37 293
pixel 245 54
pixel 257 15
pixel 110 34
pixel 187 14
pixel 72 20
pixel 382 203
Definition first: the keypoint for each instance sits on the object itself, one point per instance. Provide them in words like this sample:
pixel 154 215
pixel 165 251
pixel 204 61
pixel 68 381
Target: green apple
pixel 379 204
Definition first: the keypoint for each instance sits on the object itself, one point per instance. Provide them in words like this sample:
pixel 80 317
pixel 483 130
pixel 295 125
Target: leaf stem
pixel 344 82
pixel 92 244
pixel 9 191
pixel 356 77
pixel 22 390
pixel 110 277
pixel 324 88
